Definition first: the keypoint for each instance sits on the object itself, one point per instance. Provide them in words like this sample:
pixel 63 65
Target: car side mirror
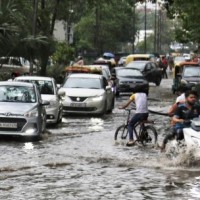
pixel 148 69
pixel 61 93
pixel 58 86
pixel 45 103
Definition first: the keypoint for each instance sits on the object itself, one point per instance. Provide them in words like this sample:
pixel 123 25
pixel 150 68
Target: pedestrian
pixel 164 67
pixel 80 61
pixel 13 76
pixel 170 62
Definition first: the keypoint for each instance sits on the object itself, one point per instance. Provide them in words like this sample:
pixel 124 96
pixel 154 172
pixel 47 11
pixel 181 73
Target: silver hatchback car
pixel 49 92
pixel 22 111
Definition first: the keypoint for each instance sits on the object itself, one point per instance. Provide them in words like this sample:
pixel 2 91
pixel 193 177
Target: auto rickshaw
pixel 177 74
pixel 134 57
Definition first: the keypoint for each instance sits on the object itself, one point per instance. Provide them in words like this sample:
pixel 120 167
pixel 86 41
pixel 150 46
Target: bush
pixel 57 72
pixel 63 54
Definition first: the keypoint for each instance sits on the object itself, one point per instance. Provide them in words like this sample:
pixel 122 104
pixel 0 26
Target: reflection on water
pixel 96 124
pixel 28 146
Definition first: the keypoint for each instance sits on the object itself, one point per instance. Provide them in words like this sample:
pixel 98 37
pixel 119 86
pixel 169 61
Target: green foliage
pixel 63 54
pixel 187 14
pixel 57 72
pixel 105 26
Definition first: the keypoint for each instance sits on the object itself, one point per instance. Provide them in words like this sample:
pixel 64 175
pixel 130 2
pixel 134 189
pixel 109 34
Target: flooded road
pixel 80 160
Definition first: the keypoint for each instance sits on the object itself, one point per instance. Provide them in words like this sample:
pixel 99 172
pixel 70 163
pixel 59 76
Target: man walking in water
pixel 140 100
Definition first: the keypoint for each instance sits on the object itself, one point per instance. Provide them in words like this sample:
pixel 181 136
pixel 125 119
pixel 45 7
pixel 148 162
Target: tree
pixel 105 26
pixel 17 29
pixel 187 13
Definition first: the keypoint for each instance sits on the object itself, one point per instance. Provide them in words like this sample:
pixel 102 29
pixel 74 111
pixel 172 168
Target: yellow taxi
pixel 136 57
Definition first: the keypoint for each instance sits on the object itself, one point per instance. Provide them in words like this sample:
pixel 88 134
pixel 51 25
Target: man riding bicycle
pixel 140 100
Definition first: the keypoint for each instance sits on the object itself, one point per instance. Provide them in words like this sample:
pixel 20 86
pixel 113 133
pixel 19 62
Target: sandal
pixel 130 144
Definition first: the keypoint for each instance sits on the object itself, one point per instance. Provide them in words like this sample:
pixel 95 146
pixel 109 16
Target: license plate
pixel 78 105
pixel 8 125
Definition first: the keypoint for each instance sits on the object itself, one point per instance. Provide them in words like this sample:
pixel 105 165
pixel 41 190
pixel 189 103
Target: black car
pixel 149 69
pixel 127 79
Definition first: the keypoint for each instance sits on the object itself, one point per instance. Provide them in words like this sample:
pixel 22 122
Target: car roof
pixel 140 61
pixel 42 78
pixel 117 68
pixel 140 55
pixel 84 75
pixel 99 66
pixel 16 83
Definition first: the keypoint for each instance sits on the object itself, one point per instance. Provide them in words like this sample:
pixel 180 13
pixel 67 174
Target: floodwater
pixel 80 160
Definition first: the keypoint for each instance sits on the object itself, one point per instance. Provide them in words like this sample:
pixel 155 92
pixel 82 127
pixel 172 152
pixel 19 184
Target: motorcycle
pixel 192 134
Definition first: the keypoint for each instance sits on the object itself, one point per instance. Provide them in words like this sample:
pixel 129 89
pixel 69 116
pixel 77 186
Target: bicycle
pixel 144 133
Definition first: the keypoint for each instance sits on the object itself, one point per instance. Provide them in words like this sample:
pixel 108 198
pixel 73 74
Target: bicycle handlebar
pixel 127 109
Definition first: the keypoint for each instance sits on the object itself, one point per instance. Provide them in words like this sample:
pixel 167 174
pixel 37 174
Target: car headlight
pixel 32 113
pixel 98 98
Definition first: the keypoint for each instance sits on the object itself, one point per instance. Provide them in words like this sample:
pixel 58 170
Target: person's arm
pixel 172 109
pixel 126 105
pixel 176 118
pixel 132 98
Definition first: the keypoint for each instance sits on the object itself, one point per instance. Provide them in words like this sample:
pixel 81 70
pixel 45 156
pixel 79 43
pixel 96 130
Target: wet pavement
pixel 80 160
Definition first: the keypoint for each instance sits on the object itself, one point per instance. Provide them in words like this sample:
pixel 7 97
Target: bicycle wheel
pixel 149 135
pixel 121 132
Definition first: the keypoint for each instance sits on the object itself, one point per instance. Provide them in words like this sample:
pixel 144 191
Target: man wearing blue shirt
pixel 183 114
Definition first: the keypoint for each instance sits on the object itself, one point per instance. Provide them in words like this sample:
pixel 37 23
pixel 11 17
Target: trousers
pixel 136 118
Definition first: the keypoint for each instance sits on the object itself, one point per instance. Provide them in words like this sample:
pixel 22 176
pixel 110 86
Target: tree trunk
pixel 44 61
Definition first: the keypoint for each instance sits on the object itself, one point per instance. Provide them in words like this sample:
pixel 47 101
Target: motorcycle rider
pixel 182 116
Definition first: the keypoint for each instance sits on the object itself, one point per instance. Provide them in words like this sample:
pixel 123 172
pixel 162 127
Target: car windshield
pixel 79 82
pixel 44 86
pixel 191 72
pixel 20 94
pixel 137 65
pixel 129 73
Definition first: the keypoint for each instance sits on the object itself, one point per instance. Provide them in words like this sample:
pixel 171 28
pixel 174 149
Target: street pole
pixel 35 13
pixel 155 28
pixel 133 33
pixel 145 27
pixel 35 6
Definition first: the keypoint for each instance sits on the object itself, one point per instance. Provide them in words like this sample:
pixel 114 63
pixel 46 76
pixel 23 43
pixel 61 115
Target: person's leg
pixel 179 134
pixel 136 118
pixel 168 137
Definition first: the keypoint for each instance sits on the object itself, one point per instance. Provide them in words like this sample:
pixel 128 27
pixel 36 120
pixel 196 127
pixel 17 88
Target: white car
pixel 49 91
pixel 87 94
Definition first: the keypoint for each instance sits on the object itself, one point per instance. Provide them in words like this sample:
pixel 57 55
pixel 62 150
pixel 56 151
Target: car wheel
pixel 104 109
pixel 158 81
pixel 117 93
pixel 111 107
pixel 59 119
pixel 44 126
